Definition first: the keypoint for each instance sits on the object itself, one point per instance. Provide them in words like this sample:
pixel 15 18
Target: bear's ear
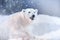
pixel 23 10
pixel 36 10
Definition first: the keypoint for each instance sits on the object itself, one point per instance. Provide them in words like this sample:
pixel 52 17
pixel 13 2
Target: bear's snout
pixel 32 17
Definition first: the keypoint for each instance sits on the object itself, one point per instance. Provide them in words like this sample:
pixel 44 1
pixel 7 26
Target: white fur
pixel 15 24
pixel 32 12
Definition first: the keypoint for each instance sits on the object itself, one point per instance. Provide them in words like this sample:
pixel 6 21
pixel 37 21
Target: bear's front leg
pixel 19 35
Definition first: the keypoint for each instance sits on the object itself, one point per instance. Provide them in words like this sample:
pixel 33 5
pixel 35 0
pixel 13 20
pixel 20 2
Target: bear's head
pixel 30 12
pixel 23 18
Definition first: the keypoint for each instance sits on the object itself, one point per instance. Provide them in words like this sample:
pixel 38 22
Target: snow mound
pixel 45 27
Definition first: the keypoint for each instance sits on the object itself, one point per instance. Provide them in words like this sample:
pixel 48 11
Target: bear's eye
pixel 23 11
pixel 29 12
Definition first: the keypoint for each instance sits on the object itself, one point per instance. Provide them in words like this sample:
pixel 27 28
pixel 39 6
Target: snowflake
pixel 26 5
pixel 31 2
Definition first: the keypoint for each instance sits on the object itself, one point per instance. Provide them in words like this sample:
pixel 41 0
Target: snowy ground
pixel 46 27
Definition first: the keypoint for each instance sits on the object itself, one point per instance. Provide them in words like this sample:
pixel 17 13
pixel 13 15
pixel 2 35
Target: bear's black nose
pixel 33 16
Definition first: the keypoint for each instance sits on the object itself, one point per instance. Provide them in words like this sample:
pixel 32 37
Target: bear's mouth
pixel 32 17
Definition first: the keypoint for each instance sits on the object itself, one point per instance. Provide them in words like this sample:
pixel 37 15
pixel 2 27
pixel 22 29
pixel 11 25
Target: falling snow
pixel 48 7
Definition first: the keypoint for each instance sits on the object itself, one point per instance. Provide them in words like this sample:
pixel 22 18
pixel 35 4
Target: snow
pixel 45 27
pixel 50 7
pixel 4 31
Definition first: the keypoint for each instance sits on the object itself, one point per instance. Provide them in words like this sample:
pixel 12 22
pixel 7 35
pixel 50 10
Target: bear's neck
pixel 20 19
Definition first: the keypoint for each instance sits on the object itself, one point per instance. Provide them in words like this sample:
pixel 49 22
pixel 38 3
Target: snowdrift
pixel 45 27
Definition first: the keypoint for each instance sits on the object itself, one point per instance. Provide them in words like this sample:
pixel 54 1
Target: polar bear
pixel 15 23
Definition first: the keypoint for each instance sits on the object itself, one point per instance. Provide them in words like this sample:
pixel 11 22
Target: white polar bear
pixel 13 26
